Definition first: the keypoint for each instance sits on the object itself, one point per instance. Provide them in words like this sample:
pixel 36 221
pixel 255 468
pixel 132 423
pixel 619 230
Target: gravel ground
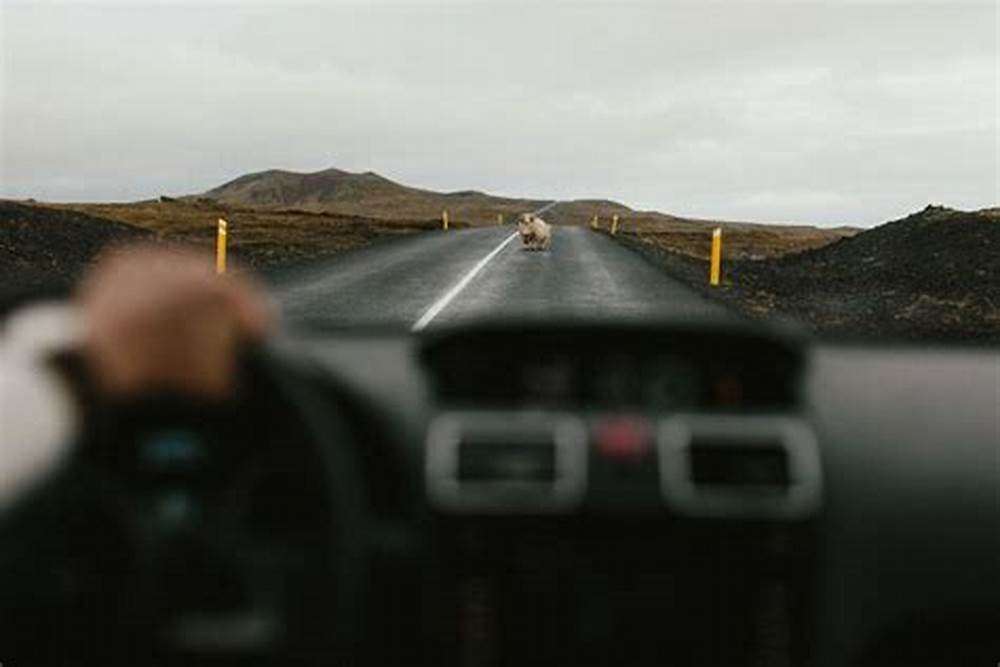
pixel 43 251
pixel 932 275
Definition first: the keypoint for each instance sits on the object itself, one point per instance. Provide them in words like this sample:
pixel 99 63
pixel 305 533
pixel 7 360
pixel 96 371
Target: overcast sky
pixel 824 113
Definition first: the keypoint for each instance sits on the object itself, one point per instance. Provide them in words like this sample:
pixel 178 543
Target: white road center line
pixel 546 207
pixel 443 302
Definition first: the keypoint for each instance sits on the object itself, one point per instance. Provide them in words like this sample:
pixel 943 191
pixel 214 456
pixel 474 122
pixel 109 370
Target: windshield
pixel 417 165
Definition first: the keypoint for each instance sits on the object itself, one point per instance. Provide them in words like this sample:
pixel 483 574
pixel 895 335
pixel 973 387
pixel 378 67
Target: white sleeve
pixel 38 415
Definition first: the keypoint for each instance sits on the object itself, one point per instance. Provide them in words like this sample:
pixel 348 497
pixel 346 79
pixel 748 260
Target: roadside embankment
pixel 932 275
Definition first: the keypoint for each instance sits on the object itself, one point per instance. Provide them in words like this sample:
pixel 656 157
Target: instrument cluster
pixel 654 371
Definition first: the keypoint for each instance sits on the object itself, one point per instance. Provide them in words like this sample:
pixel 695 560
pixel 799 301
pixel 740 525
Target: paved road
pixel 442 277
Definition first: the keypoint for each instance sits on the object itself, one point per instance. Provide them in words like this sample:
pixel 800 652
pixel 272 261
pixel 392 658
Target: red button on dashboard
pixel 623 438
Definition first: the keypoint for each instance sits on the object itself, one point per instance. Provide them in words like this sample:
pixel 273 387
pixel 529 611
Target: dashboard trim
pixel 446 492
pixel 801 498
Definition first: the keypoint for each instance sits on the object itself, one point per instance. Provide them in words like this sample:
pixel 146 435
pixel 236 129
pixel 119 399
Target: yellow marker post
pixel 444 220
pixel 593 222
pixel 220 247
pixel 614 224
pixel 500 219
pixel 713 277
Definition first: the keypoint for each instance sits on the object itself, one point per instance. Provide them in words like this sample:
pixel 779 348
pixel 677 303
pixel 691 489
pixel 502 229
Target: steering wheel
pixel 205 531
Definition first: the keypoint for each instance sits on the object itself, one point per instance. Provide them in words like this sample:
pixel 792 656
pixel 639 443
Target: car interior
pixel 709 492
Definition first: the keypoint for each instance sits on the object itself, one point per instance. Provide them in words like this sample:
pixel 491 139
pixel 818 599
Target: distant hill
pixel 370 195
pixel 363 194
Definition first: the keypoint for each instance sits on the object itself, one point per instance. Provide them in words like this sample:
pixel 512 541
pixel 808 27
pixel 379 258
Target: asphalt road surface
pixel 438 278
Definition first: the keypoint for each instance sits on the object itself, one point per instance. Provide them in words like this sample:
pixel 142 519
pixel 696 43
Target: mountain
pixel 371 195
pixel 364 194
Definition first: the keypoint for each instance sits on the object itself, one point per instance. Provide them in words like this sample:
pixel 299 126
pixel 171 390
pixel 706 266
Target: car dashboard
pixel 613 420
pixel 641 494
pixel 522 493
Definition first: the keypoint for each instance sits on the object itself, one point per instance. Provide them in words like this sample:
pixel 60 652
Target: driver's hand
pixel 159 319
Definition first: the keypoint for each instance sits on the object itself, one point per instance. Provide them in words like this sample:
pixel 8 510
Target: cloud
pixel 812 112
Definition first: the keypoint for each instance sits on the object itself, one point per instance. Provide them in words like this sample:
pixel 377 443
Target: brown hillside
pixel 369 195
pixel 741 240
pixel 362 194
pixel 263 238
pixel 932 275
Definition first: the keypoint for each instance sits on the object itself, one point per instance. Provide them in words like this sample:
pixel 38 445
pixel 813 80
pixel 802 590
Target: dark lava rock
pixel 44 250
pixel 933 274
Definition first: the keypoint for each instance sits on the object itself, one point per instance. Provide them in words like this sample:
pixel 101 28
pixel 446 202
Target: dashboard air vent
pixel 764 467
pixel 509 463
